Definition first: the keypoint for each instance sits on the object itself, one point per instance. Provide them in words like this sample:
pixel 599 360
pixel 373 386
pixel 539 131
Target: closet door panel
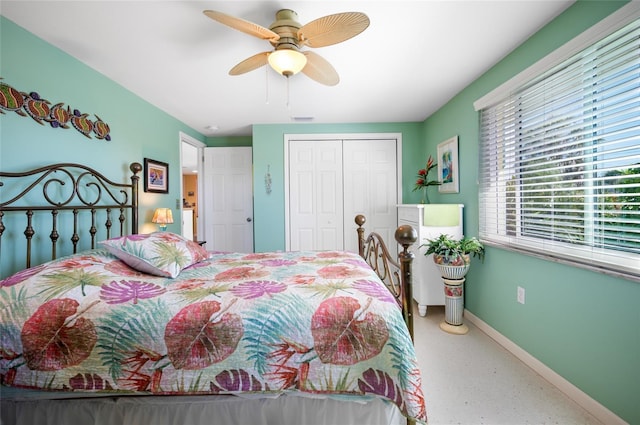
pixel 370 187
pixel 315 195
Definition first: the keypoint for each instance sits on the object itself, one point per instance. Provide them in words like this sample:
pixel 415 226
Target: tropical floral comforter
pixel 311 322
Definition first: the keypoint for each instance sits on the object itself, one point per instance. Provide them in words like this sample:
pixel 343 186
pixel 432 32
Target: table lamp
pixel 162 217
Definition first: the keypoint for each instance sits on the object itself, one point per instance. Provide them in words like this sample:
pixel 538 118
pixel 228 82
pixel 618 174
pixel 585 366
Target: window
pixel 560 159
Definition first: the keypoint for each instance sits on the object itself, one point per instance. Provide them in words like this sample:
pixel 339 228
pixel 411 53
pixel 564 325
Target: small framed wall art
pixel 156 176
pixel 448 166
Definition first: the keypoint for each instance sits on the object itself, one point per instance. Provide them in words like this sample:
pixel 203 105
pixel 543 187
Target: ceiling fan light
pixel 287 62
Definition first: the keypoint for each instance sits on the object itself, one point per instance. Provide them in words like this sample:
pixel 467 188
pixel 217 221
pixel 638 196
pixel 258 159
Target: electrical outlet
pixel 520 296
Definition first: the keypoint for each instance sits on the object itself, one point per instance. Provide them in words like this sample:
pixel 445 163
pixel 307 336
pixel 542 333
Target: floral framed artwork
pixel 156 176
pixel 448 166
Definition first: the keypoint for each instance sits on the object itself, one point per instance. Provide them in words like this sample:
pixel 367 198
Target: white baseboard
pixel 603 414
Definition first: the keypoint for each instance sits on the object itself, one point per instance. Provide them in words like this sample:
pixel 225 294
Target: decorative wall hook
pixel 267 180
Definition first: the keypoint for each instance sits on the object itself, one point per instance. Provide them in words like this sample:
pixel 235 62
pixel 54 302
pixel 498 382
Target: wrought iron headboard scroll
pixel 45 189
pixel 396 275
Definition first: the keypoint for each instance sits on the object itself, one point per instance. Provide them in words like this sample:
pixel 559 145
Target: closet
pixel 329 180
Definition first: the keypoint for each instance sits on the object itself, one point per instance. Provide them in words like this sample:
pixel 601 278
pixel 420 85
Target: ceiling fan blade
pixel 317 68
pixel 251 63
pixel 333 29
pixel 242 25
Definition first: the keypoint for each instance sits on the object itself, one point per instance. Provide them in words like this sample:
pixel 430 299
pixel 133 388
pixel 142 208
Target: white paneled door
pixel 331 181
pixel 370 188
pixel 228 199
pixel 315 195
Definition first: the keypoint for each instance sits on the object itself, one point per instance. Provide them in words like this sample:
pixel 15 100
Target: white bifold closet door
pixel 331 181
pixel 315 194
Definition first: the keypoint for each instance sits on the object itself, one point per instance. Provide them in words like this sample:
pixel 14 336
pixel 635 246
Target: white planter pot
pixel 453 272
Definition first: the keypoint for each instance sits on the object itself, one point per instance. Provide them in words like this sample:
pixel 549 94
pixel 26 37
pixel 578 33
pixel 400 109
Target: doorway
pixel 191 186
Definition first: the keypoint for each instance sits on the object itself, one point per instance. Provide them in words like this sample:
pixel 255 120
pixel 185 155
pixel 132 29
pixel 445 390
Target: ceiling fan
pixel 288 36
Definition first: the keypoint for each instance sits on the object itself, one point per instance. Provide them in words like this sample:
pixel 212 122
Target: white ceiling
pixel 413 58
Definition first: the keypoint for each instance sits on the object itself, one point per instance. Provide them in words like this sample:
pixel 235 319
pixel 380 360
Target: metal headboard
pixel 67 187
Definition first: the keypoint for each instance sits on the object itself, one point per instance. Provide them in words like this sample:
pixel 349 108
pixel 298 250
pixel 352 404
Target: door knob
pixel 248 219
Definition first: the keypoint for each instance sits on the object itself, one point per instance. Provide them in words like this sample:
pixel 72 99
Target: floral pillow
pixel 161 253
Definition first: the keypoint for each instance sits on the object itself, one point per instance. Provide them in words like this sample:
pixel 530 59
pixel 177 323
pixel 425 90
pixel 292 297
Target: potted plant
pixel 422 181
pixel 453 256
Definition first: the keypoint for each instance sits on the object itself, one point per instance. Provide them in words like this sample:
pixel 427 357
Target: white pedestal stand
pixel 453 307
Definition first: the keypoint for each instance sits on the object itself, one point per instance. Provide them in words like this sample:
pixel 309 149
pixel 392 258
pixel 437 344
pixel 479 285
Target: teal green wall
pixel 268 153
pixel 138 129
pixel 584 325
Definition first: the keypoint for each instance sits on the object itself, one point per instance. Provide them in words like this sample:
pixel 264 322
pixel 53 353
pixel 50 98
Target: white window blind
pixel 560 159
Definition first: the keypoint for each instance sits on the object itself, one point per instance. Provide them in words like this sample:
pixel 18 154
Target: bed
pixel 153 328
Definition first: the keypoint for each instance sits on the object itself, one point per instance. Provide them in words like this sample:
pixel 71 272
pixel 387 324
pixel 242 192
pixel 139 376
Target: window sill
pixel 622 274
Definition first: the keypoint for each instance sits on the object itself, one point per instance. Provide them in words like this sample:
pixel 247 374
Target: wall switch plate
pixel 520 296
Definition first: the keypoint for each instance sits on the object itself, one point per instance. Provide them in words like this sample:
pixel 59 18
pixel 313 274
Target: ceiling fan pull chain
pixel 288 104
pixel 266 85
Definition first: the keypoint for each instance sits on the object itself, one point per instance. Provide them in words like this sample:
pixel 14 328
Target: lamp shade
pixel 162 217
pixel 287 62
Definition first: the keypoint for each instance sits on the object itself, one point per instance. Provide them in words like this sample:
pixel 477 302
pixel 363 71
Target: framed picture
pixel 156 176
pixel 448 166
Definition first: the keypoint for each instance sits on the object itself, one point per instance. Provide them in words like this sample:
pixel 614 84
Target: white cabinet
pixel 429 220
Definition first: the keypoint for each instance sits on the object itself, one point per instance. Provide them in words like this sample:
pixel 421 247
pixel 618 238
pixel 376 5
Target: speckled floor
pixel 470 379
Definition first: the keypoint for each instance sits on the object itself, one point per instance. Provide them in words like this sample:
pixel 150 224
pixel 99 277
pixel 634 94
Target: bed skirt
pixel 200 410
